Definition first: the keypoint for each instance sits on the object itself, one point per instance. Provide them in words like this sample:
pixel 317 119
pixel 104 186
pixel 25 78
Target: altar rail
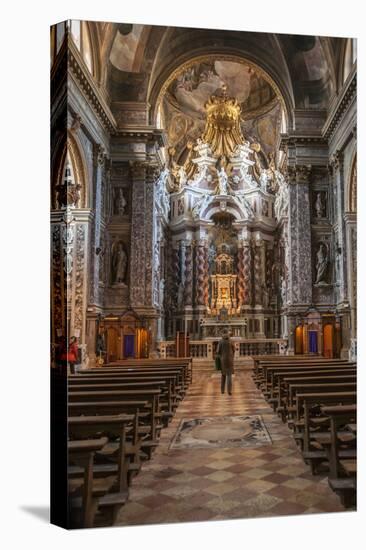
pixel 205 350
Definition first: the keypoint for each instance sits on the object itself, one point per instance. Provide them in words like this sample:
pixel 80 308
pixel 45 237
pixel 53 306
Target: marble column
pixel 336 163
pixel 201 273
pixel 99 162
pixel 245 273
pixel 142 236
pixel 188 274
pixel 299 288
pixel 258 271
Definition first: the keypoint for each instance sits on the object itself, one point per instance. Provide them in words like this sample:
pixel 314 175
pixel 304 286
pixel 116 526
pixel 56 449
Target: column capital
pixel 336 160
pixel 299 173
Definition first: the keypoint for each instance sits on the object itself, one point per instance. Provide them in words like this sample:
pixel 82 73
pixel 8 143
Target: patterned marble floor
pixel 213 484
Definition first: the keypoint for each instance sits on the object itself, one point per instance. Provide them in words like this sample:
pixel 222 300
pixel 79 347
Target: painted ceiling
pixel 183 110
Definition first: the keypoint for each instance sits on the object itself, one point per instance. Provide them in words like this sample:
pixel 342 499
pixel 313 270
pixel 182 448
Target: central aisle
pixel 225 483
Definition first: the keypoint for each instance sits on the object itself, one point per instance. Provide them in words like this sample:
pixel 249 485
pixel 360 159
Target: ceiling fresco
pixel 183 106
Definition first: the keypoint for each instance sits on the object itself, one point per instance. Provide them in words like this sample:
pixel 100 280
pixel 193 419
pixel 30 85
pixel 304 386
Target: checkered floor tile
pixel 210 484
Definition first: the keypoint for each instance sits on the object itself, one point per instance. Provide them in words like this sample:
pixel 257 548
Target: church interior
pixel 204 182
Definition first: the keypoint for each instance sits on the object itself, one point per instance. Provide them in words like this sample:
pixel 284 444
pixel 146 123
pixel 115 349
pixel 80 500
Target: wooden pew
pixel 279 389
pixel 306 401
pixel 342 471
pixel 272 373
pixel 172 390
pixel 82 454
pixel 184 368
pixel 292 360
pixel 327 384
pixel 150 396
pixel 168 400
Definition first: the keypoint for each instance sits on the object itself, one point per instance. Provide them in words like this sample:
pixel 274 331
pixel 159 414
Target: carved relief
pixel 79 277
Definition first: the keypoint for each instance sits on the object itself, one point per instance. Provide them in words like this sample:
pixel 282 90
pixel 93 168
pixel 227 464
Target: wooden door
pixel 112 344
pixel 299 348
pixel 328 340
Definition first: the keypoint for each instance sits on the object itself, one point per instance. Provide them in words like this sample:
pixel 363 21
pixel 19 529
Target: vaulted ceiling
pixel 144 63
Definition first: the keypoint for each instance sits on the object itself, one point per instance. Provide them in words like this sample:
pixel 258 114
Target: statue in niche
pixel 321 264
pixel 223 185
pixel 282 196
pixel 119 203
pixel 119 264
pixel 319 206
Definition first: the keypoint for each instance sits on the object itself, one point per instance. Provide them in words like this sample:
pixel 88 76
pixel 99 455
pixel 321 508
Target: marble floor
pixel 200 484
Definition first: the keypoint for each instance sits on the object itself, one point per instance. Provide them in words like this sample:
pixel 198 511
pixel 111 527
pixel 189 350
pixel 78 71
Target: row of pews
pixel 316 397
pixel 115 417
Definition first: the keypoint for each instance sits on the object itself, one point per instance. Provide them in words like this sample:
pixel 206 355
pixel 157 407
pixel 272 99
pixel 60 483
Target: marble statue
pixel 245 205
pixel 119 264
pixel 182 177
pixel 319 206
pixel 200 205
pixel 282 196
pixel 283 290
pixel 321 264
pixel 202 148
pixel 223 185
pixel 120 202
pixel 162 190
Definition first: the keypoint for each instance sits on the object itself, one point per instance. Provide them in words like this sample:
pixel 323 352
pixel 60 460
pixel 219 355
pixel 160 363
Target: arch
pixel 70 149
pixel 170 72
pixel 231 207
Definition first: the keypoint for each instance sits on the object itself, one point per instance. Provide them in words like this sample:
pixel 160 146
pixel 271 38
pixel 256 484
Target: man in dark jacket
pixel 226 351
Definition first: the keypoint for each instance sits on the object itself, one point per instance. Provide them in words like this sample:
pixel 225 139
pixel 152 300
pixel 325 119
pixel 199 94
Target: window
pixel 350 57
pixel 68 177
pixel 81 38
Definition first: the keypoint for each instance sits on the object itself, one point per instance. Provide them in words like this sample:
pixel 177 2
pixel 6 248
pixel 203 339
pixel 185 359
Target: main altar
pixel 225 203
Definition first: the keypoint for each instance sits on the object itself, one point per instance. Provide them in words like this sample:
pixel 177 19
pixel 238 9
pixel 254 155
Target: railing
pixel 205 350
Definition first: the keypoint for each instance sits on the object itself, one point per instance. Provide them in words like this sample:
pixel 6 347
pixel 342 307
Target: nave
pixel 226 483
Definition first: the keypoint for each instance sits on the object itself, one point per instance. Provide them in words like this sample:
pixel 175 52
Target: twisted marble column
pixel 174 275
pixel 241 283
pixel 247 273
pixel 188 266
pixel 205 276
pixel 258 273
pixel 202 274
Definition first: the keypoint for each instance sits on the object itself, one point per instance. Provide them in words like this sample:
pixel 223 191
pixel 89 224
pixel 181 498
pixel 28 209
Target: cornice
pixel 301 139
pixel 346 97
pixel 143 133
pixel 84 80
